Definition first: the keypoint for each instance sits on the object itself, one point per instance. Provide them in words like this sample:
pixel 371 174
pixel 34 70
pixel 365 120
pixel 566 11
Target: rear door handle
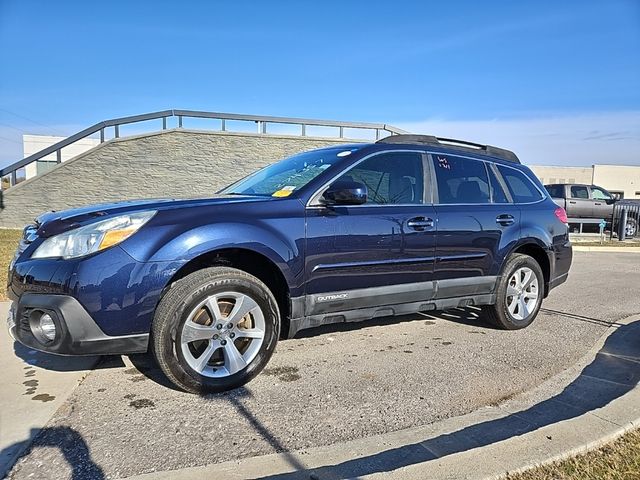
pixel 505 220
pixel 420 223
pixel 571 201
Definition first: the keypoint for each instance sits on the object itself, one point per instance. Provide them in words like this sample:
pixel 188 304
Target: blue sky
pixel 557 81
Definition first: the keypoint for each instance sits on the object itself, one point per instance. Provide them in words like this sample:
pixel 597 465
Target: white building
pixel 34 143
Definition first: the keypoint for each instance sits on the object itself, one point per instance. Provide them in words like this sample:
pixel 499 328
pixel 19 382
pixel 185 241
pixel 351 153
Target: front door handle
pixel 420 224
pixel 598 203
pixel 505 220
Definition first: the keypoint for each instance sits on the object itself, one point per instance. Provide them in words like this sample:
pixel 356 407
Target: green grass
pixel 619 460
pixel 8 243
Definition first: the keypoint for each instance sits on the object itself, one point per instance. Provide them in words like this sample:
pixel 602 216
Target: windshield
pixel 291 174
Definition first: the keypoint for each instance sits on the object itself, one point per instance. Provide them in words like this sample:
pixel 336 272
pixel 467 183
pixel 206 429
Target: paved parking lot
pixel 334 384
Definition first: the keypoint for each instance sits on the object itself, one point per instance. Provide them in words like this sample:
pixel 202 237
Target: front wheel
pixel 518 295
pixel 215 330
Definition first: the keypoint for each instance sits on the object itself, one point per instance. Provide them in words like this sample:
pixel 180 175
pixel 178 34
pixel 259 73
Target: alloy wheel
pixel 522 293
pixel 630 229
pixel 222 334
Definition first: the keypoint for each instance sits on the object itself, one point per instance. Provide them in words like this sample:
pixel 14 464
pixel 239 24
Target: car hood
pixel 55 222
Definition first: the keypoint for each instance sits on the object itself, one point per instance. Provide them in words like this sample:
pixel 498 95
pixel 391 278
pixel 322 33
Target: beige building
pixel 621 179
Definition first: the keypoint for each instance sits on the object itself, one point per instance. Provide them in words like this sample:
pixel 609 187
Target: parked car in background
pixel 591 201
pixel 346 233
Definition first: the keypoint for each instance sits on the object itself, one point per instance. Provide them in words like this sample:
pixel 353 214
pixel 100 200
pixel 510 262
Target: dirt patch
pixel 284 374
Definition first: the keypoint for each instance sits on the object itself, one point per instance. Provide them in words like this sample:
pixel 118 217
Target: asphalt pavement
pixel 336 384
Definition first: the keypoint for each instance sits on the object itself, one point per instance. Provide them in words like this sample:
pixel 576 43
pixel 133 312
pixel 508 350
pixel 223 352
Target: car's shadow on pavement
pixel 470 316
pixel 613 373
pixel 146 365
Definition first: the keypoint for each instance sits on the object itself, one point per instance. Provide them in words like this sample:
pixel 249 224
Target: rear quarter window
pixel 520 186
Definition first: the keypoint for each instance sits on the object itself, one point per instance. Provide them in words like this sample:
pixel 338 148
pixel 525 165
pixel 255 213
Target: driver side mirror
pixel 345 192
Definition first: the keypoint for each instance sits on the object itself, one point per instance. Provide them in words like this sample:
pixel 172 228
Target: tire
pixel 215 330
pixel 631 229
pixel 503 314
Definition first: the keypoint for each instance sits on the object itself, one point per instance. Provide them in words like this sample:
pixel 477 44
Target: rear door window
pixel 555 191
pixel 580 191
pixel 461 180
pixel 520 186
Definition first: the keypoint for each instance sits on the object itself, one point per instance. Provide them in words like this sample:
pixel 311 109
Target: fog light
pixel 43 326
pixel 47 327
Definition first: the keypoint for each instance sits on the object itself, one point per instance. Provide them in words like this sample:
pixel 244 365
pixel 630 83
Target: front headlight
pixel 94 237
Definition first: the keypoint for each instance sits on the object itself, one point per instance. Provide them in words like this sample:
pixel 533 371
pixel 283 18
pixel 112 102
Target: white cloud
pixel 587 139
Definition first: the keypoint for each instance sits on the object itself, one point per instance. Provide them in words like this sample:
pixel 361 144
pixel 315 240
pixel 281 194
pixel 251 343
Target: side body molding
pixel 363 304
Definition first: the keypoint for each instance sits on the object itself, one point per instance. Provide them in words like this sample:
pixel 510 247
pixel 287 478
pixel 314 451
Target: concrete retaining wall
pixel 172 163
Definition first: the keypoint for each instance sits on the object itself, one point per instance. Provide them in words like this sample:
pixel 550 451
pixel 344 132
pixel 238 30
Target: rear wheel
pixel 215 330
pixel 631 228
pixel 519 294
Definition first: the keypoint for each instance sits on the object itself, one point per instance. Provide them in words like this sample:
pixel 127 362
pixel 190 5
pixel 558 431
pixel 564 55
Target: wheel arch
pixel 250 261
pixel 540 255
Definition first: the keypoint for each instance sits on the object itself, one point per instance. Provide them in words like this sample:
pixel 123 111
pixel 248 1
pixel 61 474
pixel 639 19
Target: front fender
pixel 284 250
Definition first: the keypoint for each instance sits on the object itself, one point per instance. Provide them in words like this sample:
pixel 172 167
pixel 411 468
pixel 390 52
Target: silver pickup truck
pixel 591 201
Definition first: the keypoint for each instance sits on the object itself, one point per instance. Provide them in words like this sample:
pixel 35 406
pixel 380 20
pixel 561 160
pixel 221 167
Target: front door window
pixel 394 178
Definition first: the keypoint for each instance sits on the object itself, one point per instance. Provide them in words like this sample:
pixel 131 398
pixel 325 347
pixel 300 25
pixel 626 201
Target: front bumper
pixel 76 332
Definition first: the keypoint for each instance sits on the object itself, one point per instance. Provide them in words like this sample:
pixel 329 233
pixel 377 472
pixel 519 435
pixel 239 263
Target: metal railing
pixel 260 121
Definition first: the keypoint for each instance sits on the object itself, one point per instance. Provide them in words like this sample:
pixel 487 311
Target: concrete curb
pixel 580 248
pixel 590 404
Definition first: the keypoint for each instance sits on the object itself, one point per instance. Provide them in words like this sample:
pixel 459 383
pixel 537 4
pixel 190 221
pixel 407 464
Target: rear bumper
pixel 76 331
pixel 558 281
pixel 561 263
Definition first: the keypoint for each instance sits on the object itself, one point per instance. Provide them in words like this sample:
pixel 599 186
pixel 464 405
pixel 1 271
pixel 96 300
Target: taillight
pixel 562 215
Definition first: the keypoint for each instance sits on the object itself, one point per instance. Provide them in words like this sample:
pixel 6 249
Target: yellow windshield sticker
pixel 282 193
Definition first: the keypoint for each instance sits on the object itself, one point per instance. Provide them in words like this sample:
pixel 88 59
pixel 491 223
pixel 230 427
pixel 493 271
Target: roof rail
pixel 457 144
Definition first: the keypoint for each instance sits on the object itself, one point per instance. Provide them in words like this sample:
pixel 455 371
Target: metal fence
pixel 626 217
pixel 377 130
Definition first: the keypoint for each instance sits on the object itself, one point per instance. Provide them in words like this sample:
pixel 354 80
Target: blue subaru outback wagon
pixel 347 233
